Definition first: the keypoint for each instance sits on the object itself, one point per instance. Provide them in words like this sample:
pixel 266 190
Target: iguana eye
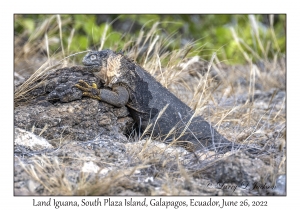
pixel 93 57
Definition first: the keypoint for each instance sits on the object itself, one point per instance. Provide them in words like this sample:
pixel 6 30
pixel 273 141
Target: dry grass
pixel 261 121
pixel 57 178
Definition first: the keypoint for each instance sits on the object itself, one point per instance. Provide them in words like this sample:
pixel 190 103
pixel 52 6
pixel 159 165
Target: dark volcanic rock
pixel 59 85
pixel 80 119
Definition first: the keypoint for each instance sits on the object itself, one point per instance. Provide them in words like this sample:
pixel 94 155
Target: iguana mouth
pixel 90 64
pixel 92 67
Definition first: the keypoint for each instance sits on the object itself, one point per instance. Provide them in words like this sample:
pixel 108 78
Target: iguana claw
pixel 90 91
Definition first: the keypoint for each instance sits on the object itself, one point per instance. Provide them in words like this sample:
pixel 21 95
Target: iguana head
pixel 105 65
pixel 96 59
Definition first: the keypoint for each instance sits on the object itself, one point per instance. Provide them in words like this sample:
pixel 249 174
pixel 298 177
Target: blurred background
pixel 235 38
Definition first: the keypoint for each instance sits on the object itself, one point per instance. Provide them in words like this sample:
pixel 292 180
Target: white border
pixel 8 8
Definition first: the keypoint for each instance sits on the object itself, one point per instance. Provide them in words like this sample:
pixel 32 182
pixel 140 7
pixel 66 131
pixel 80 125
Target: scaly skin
pixel 135 88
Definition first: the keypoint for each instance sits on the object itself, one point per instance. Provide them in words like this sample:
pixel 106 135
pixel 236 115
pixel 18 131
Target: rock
pixel 30 141
pixel 90 167
pixel 80 119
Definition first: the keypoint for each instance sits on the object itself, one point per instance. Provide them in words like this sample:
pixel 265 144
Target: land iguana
pixel 128 84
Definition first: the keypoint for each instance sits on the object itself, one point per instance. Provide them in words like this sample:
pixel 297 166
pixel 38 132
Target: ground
pixel 91 147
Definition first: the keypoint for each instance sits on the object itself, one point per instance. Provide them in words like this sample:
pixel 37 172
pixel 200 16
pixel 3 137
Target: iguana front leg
pixel 118 96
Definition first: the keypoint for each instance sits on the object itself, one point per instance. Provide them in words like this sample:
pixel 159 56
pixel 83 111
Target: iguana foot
pixel 90 91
